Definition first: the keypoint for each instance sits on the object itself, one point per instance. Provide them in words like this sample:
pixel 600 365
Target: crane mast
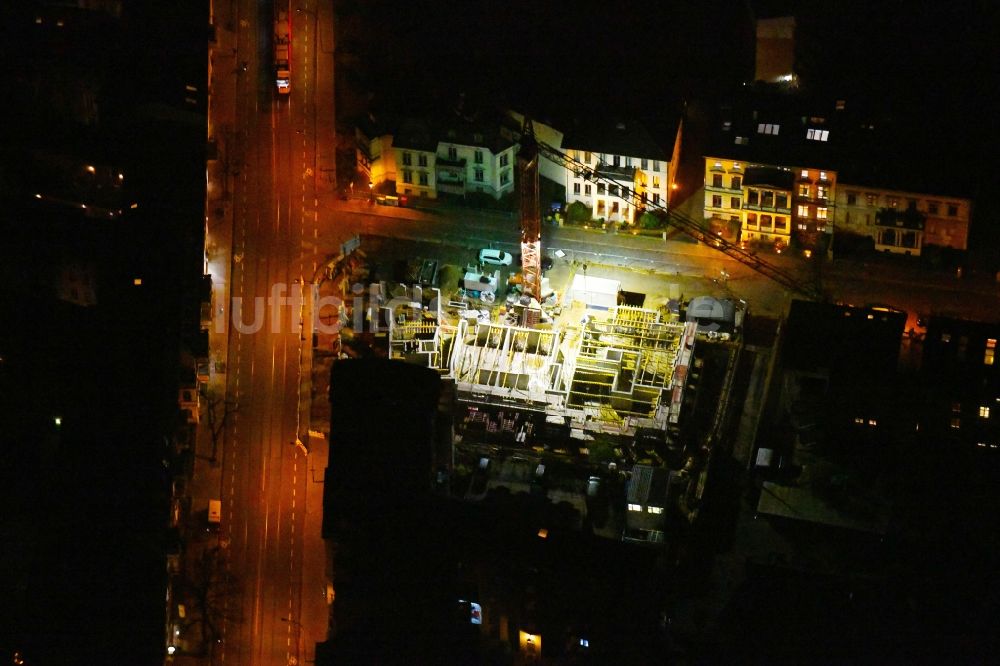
pixel 531 224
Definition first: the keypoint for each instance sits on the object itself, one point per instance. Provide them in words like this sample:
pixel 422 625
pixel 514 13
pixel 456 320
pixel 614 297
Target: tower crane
pixel 531 223
pixel 532 149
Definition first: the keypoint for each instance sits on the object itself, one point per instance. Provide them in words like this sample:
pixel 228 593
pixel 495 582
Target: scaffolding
pixel 508 362
pixel 623 365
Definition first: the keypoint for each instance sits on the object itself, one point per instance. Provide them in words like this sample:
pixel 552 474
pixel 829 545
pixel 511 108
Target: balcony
pixel 448 162
pixel 616 172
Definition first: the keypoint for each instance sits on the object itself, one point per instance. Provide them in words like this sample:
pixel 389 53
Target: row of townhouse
pixel 424 159
pixel 460 156
pixel 775 177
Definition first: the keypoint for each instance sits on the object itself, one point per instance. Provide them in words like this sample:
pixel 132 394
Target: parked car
pixel 495 257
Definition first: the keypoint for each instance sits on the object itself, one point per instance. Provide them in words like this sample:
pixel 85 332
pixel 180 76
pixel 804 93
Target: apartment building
pixel 473 156
pixel 900 221
pixel 770 173
pixel 637 171
pixel 424 158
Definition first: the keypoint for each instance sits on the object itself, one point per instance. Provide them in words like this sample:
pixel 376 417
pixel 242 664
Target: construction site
pixel 599 413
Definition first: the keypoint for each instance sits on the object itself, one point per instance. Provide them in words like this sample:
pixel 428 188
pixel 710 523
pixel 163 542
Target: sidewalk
pixel 203 549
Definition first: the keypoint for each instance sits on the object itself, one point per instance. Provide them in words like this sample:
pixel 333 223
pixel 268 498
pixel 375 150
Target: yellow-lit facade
pixel 768 213
pixel 529 643
pixel 724 197
pixel 375 157
pixel 415 173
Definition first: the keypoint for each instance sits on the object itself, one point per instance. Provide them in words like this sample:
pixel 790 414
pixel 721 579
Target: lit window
pixel 655 509
pixel 768 128
pixel 822 175
pixel 820 192
pixel 821 213
pixel 984 411
pixel 718 165
pixel 805 173
pixel 804 190
pixel 858 420
pixel 584 642
pixel 817 135
pixel 634 507
pixel 736 166
pixel 872 422
pixel 742 140
pixel 956 423
pixel 803 211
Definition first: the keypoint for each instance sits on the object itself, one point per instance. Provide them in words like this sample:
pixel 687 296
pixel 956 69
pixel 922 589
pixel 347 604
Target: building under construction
pixel 602 396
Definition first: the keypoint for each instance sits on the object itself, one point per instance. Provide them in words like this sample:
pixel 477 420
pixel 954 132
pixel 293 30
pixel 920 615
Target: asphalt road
pixel 275 559
pixel 903 284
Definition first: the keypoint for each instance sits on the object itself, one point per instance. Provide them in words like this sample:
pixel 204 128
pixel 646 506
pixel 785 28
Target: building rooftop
pixel 629 138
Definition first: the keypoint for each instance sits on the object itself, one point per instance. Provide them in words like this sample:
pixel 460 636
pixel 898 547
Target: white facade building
pixel 637 170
